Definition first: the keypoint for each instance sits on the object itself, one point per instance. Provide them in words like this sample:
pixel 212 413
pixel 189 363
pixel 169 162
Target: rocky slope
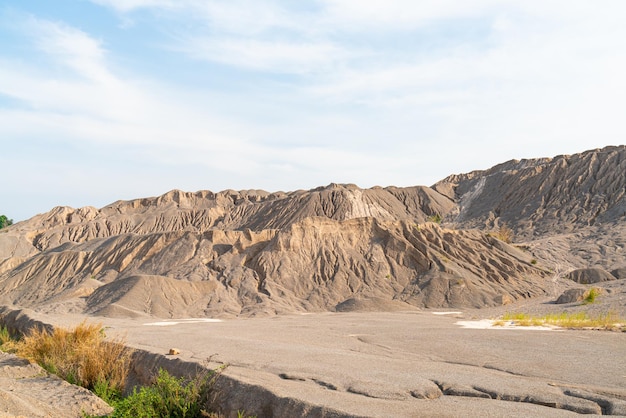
pixel 543 196
pixel 332 248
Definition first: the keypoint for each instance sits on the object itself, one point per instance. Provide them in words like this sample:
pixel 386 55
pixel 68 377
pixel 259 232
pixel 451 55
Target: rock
pixel 571 296
pixel 590 275
pixel 28 390
pixel 372 305
pixel 619 273
pixel 504 300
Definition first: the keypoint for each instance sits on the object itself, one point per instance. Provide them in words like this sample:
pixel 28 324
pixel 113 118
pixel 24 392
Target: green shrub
pixel 591 295
pixel 5 222
pixel 168 396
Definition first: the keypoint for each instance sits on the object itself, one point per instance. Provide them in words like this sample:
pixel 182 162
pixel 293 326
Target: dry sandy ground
pixel 401 364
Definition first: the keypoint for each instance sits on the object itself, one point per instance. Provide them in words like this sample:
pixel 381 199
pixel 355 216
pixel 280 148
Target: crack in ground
pixel 608 406
pixel 590 405
pixel 286 376
pixel 322 383
pixel 486 366
pixel 326 385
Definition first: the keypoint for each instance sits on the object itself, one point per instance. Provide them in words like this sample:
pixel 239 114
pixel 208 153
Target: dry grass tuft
pixel 81 356
pixel 607 321
pixel 504 233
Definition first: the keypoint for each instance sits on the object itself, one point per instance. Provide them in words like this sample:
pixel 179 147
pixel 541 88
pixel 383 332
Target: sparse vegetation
pixel 81 356
pixel 168 396
pixel 591 295
pixel 608 321
pixel 533 261
pixel 436 218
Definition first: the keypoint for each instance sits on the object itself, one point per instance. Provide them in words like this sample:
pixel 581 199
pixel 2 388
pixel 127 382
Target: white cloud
pixel 130 5
pixel 271 56
pixel 401 14
pixel 245 18
pixel 71 46
pixel 90 103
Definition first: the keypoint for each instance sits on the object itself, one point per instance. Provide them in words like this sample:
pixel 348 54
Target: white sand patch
pixel 192 320
pixel 182 321
pixel 489 324
pixel 447 313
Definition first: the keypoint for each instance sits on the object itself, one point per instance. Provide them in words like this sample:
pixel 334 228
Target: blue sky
pixel 117 99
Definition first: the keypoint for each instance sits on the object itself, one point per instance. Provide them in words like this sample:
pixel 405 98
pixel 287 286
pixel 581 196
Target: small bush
pixel 591 295
pixel 5 222
pixel 81 356
pixel 436 218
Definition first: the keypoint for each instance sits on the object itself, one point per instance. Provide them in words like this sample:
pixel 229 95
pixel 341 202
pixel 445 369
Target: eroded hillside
pixel 543 196
pixel 332 248
pixel 317 264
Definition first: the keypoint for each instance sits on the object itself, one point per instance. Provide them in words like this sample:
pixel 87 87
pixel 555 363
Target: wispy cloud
pixel 279 57
pixel 71 47
pixel 131 5
pixel 75 79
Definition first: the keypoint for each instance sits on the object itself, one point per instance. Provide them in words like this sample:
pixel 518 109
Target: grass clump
pixel 504 234
pixel 578 320
pixel 8 342
pixel 81 356
pixel 5 337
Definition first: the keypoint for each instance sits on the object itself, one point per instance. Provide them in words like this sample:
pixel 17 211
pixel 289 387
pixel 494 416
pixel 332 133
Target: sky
pixel 102 100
